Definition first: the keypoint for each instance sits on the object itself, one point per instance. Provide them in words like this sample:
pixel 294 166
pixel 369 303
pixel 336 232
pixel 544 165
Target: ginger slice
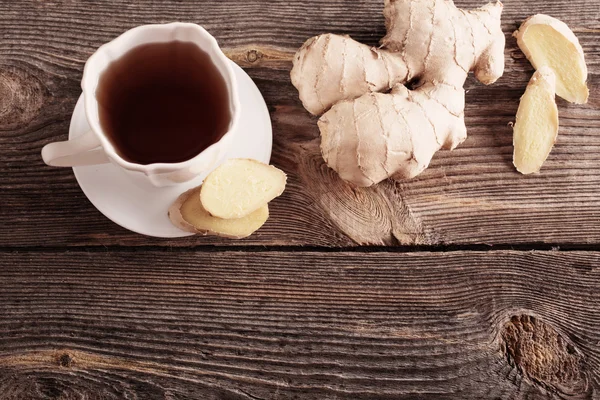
pixel 548 41
pixel 188 214
pixel 536 125
pixel 239 187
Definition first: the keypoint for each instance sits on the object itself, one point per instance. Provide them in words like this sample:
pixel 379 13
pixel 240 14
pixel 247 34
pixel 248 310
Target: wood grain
pixel 470 196
pixel 306 325
pixel 91 311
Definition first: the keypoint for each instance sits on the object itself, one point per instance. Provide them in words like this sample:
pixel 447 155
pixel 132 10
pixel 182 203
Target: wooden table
pixel 471 281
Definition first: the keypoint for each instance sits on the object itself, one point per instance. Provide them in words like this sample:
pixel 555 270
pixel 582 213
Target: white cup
pixel 94 147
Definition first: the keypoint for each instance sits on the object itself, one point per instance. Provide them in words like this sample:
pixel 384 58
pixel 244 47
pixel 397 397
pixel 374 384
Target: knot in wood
pixel 65 360
pixel 21 97
pixel 253 56
pixel 542 354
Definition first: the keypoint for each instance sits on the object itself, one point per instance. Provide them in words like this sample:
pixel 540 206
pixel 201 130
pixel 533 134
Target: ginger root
pixel 546 41
pixel 238 187
pixel 188 214
pixel 536 126
pixel 369 133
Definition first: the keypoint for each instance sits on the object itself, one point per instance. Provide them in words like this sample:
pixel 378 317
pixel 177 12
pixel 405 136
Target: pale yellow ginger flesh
pixel 239 187
pixel 546 41
pixel 536 126
pixel 188 214
pixel 372 126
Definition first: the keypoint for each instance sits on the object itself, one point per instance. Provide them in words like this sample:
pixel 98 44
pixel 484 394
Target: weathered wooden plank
pixel 501 324
pixel 472 195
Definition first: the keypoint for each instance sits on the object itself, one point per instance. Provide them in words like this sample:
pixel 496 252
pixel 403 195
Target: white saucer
pixel 143 209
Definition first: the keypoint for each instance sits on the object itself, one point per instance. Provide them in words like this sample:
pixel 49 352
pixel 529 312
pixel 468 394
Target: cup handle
pixel 83 150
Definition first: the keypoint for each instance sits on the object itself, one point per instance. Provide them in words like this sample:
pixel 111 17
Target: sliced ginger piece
pixel 536 125
pixel 547 41
pixel 188 214
pixel 238 187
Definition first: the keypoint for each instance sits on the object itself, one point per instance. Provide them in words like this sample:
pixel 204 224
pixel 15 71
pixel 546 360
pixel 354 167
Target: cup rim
pixel 90 100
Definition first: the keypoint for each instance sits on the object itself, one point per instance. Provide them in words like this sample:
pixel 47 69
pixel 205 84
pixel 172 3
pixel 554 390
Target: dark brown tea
pixel 163 102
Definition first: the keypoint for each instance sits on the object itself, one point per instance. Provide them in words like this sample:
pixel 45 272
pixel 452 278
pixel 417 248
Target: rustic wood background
pixel 471 281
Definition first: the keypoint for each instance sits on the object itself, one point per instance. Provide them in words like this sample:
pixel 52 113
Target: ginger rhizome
pixel 373 127
pixel 536 125
pixel 547 41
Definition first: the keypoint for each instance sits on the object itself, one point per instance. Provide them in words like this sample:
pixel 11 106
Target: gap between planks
pixel 523 247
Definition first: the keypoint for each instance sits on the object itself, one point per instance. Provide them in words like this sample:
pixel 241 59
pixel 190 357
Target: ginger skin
pixel 368 134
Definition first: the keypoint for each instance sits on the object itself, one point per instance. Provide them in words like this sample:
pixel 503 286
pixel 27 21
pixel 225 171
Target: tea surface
pixel 163 102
